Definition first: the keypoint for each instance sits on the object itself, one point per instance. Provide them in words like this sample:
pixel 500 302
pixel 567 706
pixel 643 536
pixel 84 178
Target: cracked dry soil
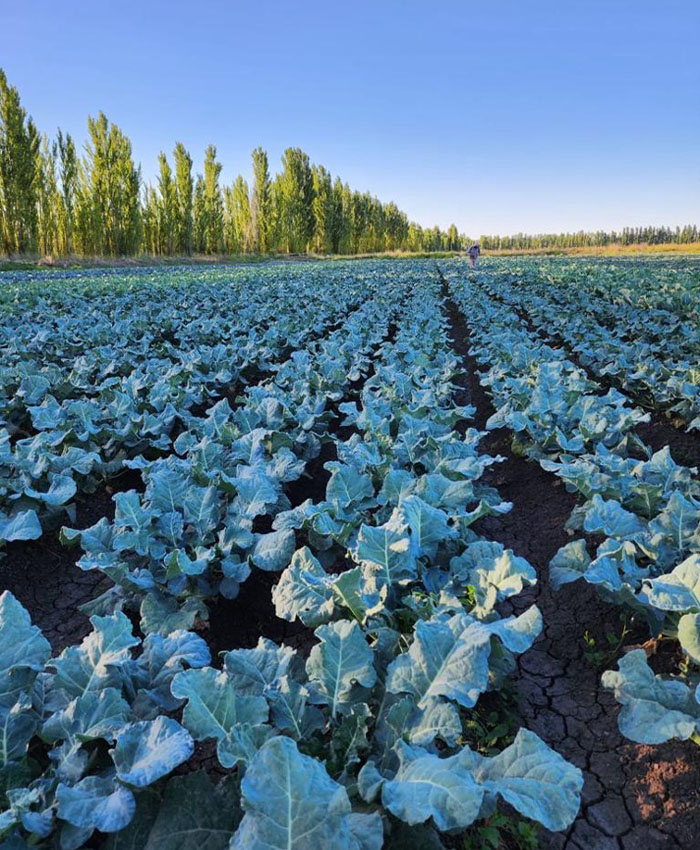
pixel 635 797
pixel 44 577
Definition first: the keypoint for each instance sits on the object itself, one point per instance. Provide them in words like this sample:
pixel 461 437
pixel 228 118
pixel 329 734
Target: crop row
pixel 650 354
pixel 638 513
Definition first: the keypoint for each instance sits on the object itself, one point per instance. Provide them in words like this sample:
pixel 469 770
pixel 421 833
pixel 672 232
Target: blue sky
pixel 499 115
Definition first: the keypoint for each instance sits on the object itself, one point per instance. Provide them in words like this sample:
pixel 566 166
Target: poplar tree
pixel 231 241
pixel 19 147
pixel 48 198
pixel 452 238
pixel 167 208
pixel 358 223
pixel 414 240
pixel 296 186
pixel 396 227
pixel 113 186
pixel 260 204
pixel 239 222
pixel 199 214
pixel 184 194
pixel 322 206
pixel 68 170
pixel 337 229
pixel 275 233
pixel 377 231
pixel 213 204
pixel 345 245
pixel 83 218
pixel 150 217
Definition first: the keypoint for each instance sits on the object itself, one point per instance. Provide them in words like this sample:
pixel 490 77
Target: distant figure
pixel 474 253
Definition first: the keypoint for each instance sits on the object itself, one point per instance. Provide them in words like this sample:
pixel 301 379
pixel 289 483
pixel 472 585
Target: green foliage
pixel 239 233
pixel 500 831
pixel 213 208
pixel 183 191
pixel 493 723
pixel 111 220
pixel 296 195
pixel 48 198
pixel 19 152
pixel 260 204
pixel 167 208
pixel 323 210
pixel 597 238
pixel 69 174
pixel 53 201
pixel 601 656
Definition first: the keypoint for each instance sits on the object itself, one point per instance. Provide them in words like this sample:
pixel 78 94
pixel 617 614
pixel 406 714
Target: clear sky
pixel 501 115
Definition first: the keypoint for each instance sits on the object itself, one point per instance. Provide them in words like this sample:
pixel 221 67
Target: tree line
pixel 593 239
pixel 56 201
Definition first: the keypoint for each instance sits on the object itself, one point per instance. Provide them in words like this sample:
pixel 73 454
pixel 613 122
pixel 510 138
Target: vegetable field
pixel 351 555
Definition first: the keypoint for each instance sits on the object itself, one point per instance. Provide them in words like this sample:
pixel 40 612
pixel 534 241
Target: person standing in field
pixel 474 253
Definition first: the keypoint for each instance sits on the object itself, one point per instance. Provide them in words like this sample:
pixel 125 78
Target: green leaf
pixel 678 590
pixel 494 572
pixel 677 524
pixel 653 709
pixel 446 659
pixel 93 715
pixel 261 669
pixel 689 635
pixel 341 659
pixel 291 803
pixel 385 551
pixel 608 517
pixel 216 710
pixel 24 525
pixel 23 650
pixel 347 486
pixel 96 803
pixel 62 488
pixel 569 564
pixel 195 814
pixel 148 750
pixel 535 780
pixel 350 738
pixel 273 551
pixel 95 663
pixel 163 614
pixel 304 590
pixel 427 786
pixel 428 526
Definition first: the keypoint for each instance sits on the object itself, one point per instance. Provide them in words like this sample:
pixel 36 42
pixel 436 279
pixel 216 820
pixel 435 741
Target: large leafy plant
pixel 85 731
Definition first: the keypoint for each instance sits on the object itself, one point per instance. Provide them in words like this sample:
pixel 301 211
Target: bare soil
pixel 44 577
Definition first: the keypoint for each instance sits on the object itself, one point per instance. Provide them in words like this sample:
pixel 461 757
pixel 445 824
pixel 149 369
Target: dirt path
pixel 635 797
